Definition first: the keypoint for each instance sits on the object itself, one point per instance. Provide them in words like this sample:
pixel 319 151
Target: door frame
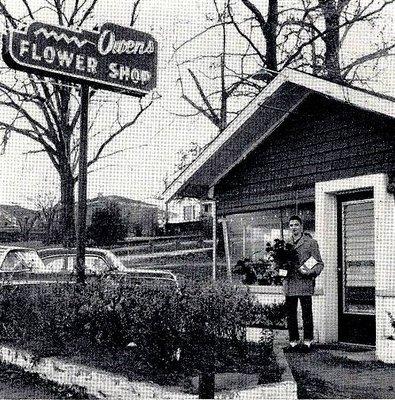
pixel 357 318
pixel 326 315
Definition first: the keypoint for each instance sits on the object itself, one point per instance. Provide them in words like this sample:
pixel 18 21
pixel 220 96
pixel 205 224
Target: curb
pixel 99 383
pixel 107 385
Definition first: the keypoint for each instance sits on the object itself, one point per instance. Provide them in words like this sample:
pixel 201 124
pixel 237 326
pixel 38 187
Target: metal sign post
pixel 82 185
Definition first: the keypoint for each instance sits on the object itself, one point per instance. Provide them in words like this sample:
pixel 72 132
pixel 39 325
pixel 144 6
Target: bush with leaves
pixel 173 333
pixel 215 319
pixel 108 226
pixel 44 317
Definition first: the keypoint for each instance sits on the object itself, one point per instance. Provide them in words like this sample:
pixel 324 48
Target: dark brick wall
pixel 322 140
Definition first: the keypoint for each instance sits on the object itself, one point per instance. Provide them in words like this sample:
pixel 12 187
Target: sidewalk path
pixel 342 371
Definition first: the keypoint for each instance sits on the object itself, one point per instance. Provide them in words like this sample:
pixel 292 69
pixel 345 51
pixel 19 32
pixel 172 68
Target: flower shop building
pixel 324 151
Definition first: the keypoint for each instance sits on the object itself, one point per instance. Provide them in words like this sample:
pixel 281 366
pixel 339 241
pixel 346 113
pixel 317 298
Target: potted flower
pixel 246 268
pixel 283 256
pixel 260 272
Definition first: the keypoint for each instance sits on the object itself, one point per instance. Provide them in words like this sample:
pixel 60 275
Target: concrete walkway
pixel 342 371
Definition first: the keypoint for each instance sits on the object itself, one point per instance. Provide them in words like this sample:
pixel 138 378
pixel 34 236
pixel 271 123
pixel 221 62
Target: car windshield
pixel 20 260
pixel 116 262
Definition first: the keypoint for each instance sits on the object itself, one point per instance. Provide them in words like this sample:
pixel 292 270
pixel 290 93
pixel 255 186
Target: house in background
pixel 324 151
pixel 141 217
pixel 19 223
pixel 187 215
pixel 188 210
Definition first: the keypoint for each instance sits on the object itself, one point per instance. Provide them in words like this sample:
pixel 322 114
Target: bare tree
pixel 25 220
pixel 48 111
pixel 326 25
pixel 49 211
pixel 214 102
pixel 310 35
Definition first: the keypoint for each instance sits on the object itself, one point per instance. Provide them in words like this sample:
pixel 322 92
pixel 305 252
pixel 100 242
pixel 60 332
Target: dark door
pixel 356 269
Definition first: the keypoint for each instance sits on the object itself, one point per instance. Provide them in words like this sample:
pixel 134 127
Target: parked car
pixel 101 262
pixel 19 259
pixel 22 266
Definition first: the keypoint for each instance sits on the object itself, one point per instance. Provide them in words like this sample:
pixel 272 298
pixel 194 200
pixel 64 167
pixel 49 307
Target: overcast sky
pixel 151 145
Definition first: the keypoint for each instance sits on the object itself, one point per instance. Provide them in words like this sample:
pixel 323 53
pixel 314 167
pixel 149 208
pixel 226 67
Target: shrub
pixel 214 320
pixel 107 226
pixel 151 316
pixel 198 328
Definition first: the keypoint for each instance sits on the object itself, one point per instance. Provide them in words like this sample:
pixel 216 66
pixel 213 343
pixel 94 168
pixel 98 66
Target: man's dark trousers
pixel 291 303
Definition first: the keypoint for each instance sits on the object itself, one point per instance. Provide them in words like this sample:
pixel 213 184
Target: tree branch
pixel 117 133
pixel 257 14
pixel 29 11
pixel 134 16
pixel 246 37
pixel 196 36
pixel 203 96
pixel 13 21
pixel 88 12
pixel 384 52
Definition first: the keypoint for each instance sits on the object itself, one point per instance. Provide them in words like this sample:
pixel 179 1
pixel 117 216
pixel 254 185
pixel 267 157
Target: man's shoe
pixel 304 348
pixel 291 349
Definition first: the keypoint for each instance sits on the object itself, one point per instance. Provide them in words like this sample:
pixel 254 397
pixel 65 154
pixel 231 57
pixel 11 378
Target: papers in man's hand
pixel 311 262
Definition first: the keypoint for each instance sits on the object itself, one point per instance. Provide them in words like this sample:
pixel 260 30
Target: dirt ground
pixel 336 372
pixel 15 383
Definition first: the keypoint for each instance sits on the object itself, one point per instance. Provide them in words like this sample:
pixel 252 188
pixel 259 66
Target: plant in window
pixel 283 256
pixel 246 268
pixel 260 272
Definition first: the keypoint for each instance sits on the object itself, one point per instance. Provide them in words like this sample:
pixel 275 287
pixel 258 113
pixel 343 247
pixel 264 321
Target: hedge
pixel 169 332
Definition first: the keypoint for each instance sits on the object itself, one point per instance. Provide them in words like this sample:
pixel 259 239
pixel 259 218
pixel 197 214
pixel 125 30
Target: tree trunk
pixel 271 35
pixel 67 202
pixel 224 94
pixel 332 40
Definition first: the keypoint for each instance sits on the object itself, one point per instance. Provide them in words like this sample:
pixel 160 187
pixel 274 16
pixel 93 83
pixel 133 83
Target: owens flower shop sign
pixel 114 58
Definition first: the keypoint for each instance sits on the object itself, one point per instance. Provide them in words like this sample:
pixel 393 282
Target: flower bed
pixel 145 332
pixel 103 384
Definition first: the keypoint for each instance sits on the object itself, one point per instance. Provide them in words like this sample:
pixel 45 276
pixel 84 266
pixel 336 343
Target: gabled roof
pixel 279 99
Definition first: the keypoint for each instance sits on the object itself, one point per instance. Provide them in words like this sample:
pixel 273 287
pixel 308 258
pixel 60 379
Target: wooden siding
pixel 281 102
pixel 322 140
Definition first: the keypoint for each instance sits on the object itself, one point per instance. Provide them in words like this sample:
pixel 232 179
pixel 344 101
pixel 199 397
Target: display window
pixel 248 233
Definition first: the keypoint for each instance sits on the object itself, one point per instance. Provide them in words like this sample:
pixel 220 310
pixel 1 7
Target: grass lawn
pixel 187 266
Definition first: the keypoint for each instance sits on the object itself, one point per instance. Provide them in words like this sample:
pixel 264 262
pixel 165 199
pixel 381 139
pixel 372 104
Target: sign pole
pixel 82 185
pixel 101 59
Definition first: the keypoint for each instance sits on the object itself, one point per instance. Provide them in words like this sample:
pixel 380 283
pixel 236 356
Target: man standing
pixel 299 285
